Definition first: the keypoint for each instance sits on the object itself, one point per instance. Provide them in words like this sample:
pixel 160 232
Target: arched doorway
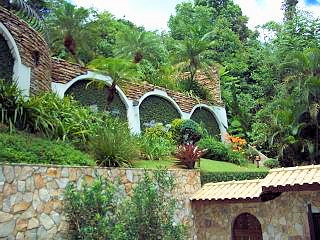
pixel 6 61
pixel 246 227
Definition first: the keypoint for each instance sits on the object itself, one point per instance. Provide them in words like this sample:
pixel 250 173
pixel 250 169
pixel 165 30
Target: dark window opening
pixel 36 58
pixel 246 227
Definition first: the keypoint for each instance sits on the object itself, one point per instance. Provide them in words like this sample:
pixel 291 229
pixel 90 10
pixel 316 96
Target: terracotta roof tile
pixel 64 72
pixel 303 178
pixel 293 176
pixel 233 190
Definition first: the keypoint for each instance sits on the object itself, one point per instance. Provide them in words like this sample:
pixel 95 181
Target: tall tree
pixel 290 8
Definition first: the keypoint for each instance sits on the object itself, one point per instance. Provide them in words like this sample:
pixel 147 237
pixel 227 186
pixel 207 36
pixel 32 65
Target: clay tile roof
pixel 292 179
pixel 63 71
pixel 305 178
pixel 233 190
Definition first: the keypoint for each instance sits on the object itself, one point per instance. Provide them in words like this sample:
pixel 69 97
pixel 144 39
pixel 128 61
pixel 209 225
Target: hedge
pixel 207 177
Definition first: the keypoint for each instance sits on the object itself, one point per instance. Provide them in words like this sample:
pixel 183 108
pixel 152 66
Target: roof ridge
pixel 234 182
pixel 294 168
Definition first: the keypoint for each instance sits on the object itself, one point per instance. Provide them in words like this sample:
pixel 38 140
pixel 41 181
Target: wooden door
pixel 246 227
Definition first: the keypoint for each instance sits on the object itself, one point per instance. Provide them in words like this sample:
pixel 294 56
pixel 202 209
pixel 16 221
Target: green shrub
pixel 101 212
pixel 114 146
pixel 187 131
pixel 64 118
pixel 158 130
pixel 21 148
pixel 271 163
pixel 220 151
pixel 92 211
pixel 149 214
pixel 156 148
pixel 12 106
pixel 207 177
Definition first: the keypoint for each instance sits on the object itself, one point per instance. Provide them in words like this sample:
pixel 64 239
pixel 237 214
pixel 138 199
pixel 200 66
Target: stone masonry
pixel 31 196
pixel 284 218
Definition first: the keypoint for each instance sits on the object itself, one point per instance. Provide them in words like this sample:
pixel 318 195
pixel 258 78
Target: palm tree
pixel 138 45
pixel 118 69
pixel 68 30
pixel 302 78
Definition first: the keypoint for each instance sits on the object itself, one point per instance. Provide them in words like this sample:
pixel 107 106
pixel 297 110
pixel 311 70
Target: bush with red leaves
pixel 188 154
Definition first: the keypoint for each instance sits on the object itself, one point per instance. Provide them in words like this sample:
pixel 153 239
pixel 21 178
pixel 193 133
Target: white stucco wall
pixel 21 73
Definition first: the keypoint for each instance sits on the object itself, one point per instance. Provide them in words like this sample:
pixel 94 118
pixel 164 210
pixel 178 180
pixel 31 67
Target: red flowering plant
pixel 188 154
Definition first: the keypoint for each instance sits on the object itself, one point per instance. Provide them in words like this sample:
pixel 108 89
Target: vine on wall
pixel 6 61
pixel 156 109
pixel 207 119
pixel 96 98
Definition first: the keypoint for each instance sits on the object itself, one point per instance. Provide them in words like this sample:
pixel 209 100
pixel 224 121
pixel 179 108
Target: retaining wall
pixel 31 196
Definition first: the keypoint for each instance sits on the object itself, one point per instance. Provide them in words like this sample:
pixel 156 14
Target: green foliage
pixel 271 163
pixel 149 214
pixel 220 151
pixel 99 211
pixel 64 118
pixel 207 177
pixel 156 109
pixel 138 45
pixel 6 61
pixel 114 146
pixel 92 211
pixel 12 106
pixel 157 143
pixel 23 148
pixel 187 131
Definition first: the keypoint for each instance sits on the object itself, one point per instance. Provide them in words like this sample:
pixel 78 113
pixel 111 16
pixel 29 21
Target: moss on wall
pixel 207 119
pixel 6 61
pixel 156 109
pixel 95 97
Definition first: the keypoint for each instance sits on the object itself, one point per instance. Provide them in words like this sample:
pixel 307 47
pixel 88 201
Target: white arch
pixel 61 88
pixel 162 94
pixel 21 73
pixel 219 117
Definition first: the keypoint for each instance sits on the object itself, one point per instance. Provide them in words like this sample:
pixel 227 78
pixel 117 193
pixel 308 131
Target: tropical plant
pixel 113 146
pixel 149 214
pixel 188 155
pixel 187 131
pixel 118 69
pixel 137 45
pixel 101 211
pixel 220 151
pixel 12 106
pixel 92 211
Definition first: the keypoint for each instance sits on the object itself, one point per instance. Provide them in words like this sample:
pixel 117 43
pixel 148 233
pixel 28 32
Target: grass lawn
pixel 205 166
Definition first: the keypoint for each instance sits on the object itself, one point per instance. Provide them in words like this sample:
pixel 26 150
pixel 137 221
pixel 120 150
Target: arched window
pixel 95 97
pixel 203 116
pixel 6 61
pixel 156 109
pixel 246 227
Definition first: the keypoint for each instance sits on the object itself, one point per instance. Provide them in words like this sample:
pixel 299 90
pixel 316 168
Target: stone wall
pixel 284 218
pixel 31 196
